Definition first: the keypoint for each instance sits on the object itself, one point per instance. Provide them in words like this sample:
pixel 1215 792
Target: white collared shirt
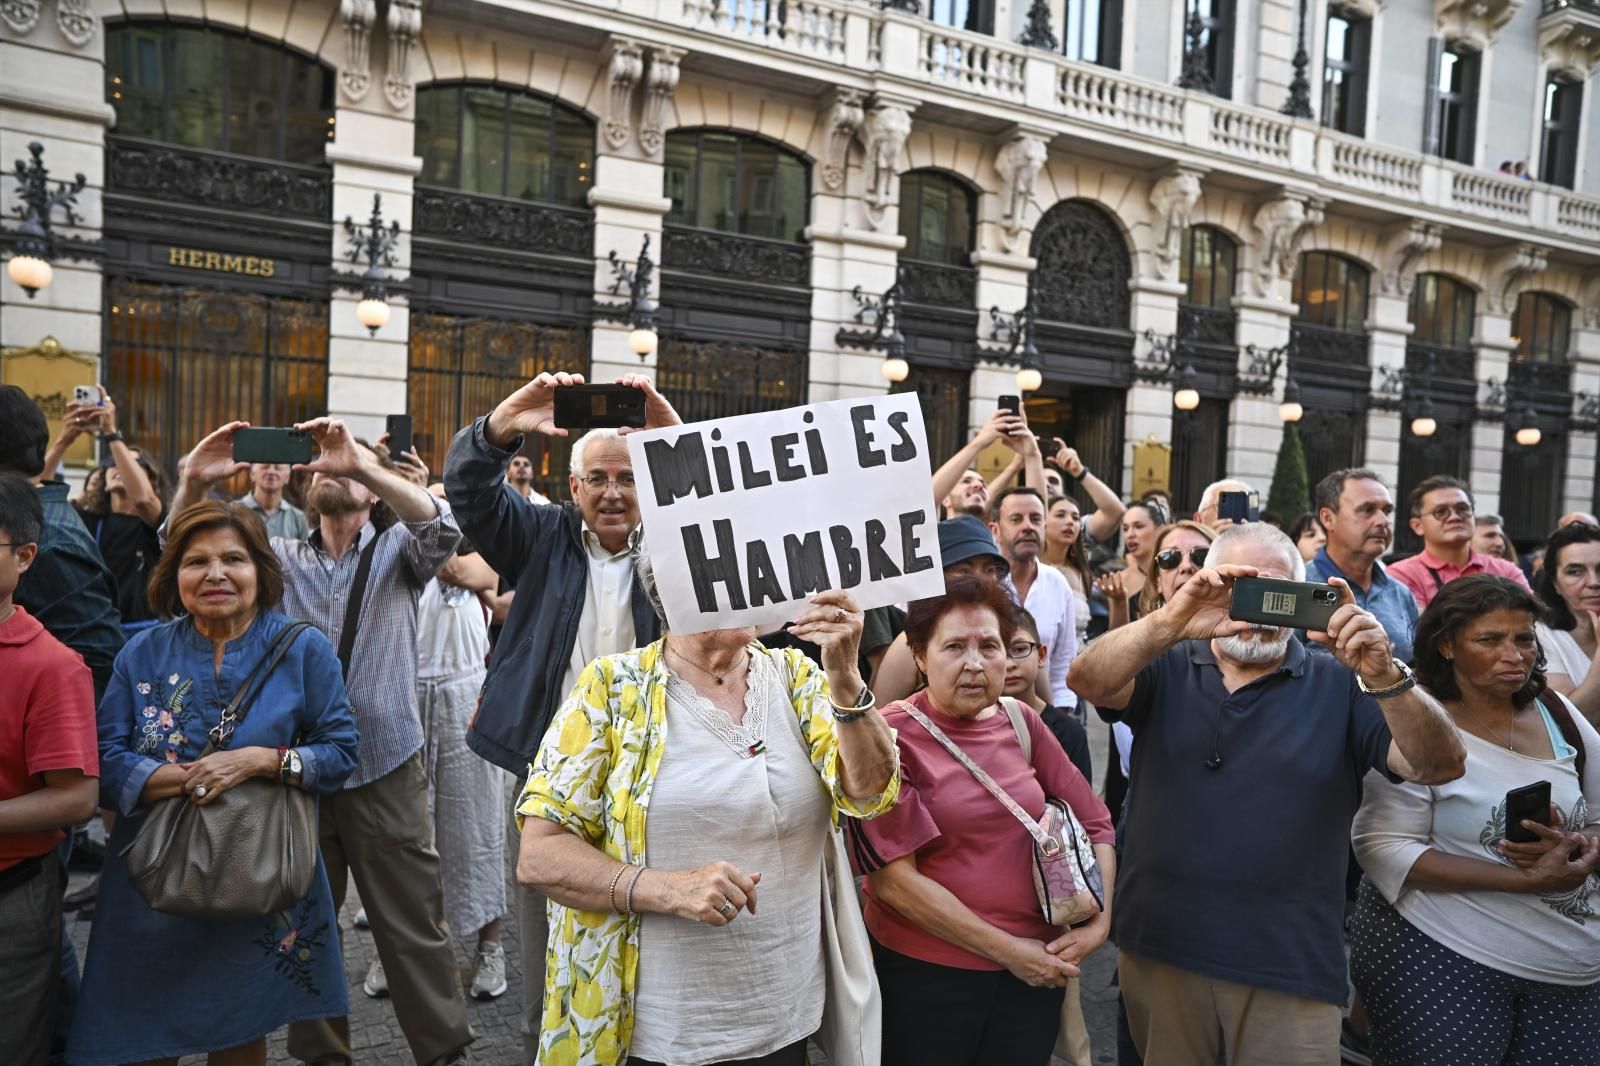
pixel 606 625
pixel 1051 603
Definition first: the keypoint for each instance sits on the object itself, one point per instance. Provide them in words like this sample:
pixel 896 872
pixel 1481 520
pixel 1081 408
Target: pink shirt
pixel 1425 574
pixel 962 836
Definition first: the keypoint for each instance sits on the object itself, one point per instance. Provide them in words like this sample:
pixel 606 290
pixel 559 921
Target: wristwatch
pixel 107 438
pixel 1407 682
pixel 290 766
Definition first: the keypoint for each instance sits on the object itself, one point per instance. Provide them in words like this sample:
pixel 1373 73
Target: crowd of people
pixel 1377 841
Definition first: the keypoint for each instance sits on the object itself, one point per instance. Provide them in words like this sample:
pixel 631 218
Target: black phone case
pixel 1011 403
pixel 599 407
pixel 266 444
pixel 1531 802
pixel 1271 601
pixel 399 430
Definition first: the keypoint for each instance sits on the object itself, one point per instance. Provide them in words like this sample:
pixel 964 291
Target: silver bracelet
pixel 864 704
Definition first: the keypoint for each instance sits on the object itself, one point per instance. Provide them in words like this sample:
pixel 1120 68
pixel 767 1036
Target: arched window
pixel 208 88
pixel 938 216
pixel 504 142
pixel 736 183
pixel 1207 267
pixel 1084 266
pixel 1442 310
pixel 1331 290
pixel 1542 328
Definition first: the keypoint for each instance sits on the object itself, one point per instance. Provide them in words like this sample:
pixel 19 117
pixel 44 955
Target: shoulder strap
pixel 1040 837
pixel 1019 722
pixel 239 707
pixel 352 609
pixel 1557 709
pixel 1438 582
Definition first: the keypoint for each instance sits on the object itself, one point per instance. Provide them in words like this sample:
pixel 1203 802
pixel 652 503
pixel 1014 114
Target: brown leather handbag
pixel 248 853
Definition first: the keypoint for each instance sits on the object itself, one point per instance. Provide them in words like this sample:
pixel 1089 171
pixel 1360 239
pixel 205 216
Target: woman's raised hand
pixel 834 624
pixel 713 894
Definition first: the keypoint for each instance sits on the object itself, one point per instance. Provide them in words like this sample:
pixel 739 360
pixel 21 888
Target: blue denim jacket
pixel 1388 600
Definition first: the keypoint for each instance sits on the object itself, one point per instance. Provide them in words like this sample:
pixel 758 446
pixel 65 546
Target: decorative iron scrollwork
pixel 185 175
pixel 934 283
pixel 519 224
pixel 733 256
pixel 1084 267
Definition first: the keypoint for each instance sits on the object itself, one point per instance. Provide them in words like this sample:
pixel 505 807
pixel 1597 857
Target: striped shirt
pixel 383 665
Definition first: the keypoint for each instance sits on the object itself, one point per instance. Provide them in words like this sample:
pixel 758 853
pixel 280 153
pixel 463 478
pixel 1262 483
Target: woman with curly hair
pixel 1467 946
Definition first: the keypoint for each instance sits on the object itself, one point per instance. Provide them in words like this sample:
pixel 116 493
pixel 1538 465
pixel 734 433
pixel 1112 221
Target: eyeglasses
pixel 1443 512
pixel 1172 558
pixel 598 482
pixel 1021 649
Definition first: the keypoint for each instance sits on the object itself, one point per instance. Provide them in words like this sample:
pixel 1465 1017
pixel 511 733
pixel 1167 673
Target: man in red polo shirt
pixel 49 779
pixel 1441 514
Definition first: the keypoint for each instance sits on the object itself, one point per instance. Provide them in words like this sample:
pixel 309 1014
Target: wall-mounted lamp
pixel 1160 367
pixel 375 243
pixel 33 242
pixel 638 311
pixel 1262 374
pixel 884 314
pixel 1012 336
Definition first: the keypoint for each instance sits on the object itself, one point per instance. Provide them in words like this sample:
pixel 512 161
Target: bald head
pixel 1574 517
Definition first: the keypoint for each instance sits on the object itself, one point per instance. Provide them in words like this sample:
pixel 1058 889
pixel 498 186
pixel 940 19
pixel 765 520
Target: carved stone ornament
pixel 1507 270
pixel 1472 24
pixel 660 82
pixel 1591 302
pixel 1569 44
pixel 1173 199
pixel 77 22
pixel 1283 224
pixel 883 134
pixel 355 75
pixel 1402 248
pixel 20 15
pixel 1361 9
pixel 405 27
pixel 624 64
pixel 844 121
pixel 1019 162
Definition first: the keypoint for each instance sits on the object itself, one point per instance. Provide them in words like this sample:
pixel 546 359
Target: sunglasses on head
pixel 1172 558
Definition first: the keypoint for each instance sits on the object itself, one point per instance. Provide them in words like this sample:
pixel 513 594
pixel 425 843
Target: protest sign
pixel 746 517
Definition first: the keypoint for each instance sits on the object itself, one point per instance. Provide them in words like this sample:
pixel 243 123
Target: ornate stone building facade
pixel 1128 176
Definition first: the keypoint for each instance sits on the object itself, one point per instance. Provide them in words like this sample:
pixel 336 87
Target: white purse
pixel 852 1015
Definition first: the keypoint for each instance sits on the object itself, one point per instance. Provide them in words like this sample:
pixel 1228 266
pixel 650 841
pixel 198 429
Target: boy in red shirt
pixel 49 779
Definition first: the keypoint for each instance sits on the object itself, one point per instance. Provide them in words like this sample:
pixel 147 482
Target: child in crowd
pixel 49 779
pixel 1021 672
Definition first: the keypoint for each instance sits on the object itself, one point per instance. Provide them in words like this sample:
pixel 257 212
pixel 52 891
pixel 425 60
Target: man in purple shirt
pixel 1441 514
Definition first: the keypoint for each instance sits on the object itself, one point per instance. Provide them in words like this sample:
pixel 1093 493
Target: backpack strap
pixel 1557 709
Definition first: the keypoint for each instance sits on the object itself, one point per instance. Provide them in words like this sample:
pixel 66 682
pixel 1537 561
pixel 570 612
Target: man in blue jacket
pixel 576 595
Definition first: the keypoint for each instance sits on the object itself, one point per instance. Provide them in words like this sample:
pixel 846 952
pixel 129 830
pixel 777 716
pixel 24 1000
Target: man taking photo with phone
pixel 576 595
pixel 1247 762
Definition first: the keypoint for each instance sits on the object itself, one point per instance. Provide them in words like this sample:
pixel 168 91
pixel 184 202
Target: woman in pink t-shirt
pixel 972 975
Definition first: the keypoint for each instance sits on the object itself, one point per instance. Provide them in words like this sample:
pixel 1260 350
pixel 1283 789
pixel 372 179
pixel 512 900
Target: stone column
pixel 1582 449
pixel 1388 330
pixel 1494 347
pixel 1002 283
pixel 52 86
pixel 1149 411
pixel 1254 429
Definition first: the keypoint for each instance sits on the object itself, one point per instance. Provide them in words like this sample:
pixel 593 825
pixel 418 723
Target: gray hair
pixel 1261 535
pixel 645 572
pixel 580 447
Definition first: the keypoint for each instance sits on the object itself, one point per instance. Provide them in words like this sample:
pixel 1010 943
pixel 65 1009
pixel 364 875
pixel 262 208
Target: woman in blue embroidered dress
pixel 157 986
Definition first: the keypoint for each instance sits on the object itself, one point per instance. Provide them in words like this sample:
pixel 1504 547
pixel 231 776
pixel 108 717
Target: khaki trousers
pixel 1072 1043
pixel 1179 1018
pixel 533 932
pixel 381 833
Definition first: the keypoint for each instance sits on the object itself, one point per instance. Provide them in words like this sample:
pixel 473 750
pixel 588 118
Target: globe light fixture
pixel 1528 433
pixel 1290 410
pixel 1186 397
pixel 375 243
pixel 1029 379
pixel 643 341
pixel 895 369
pixel 30 272
pixel 373 312
pixel 33 242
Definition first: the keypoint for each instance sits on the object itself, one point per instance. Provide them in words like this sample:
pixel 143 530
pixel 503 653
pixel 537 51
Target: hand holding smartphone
pixel 599 407
pixel 1270 601
pixel 1530 803
pixel 398 428
pixel 270 444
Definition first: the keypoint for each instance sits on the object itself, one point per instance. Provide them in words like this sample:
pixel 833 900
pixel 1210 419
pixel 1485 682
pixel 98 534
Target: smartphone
pixel 1012 404
pixel 599 407
pixel 1271 601
pixel 85 394
pixel 1531 802
pixel 1239 506
pixel 267 444
pixel 399 430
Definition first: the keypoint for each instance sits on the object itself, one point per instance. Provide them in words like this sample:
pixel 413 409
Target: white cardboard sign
pixel 746 517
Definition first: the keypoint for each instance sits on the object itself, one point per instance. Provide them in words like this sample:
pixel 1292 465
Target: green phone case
pixel 1271 601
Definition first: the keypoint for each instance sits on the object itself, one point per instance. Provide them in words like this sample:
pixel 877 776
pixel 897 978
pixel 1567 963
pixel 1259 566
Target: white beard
pixel 1267 644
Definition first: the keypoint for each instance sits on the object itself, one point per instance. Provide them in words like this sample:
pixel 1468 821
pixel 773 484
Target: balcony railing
pixel 966 61
pixel 804 27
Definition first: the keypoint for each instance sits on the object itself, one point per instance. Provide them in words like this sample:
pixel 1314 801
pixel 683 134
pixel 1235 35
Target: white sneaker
pixel 361 919
pixel 376 985
pixel 489 972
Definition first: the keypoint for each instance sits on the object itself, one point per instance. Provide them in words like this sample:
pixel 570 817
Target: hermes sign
pixel 223 262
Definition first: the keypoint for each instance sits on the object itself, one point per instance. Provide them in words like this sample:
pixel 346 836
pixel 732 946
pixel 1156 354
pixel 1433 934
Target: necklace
pixel 718 678
pixel 1492 732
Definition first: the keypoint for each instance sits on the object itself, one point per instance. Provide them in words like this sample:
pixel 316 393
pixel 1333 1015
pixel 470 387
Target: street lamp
pixel 1186 397
pixel 34 242
pixel 885 332
pixel 375 243
pixel 1528 433
pixel 1423 424
pixel 895 369
pixel 638 312
pixel 1290 410
pixel 1015 333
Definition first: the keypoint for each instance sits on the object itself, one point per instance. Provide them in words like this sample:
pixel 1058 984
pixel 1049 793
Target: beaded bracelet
pixel 615 878
pixel 631 886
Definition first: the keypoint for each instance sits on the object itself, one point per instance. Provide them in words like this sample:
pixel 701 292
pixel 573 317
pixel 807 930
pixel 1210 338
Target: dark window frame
pixel 1354 71
pixel 1222 248
pixel 558 110
pixel 294 64
pixel 1107 38
pixel 913 187
pixel 1450 128
pixel 1452 318
pixel 1558 139
pixel 690 217
pixel 978 15
pixel 1542 316
pixel 1355 291
pixel 1219 18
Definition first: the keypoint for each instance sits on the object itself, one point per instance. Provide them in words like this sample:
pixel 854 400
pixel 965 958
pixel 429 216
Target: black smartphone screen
pixel 268 444
pixel 1011 403
pixel 599 407
pixel 1531 802
pixel 1237 506
pixel 399 429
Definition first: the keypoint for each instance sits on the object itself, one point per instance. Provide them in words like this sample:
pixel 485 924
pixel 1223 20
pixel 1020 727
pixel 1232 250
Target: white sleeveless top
pixel 711 993
pixel 452 633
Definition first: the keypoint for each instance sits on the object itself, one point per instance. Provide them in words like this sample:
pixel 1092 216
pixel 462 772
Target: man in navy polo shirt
pixel 1355 507
pixel 1248 760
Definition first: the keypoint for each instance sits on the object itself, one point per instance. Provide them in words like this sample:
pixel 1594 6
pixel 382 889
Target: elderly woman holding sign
pixel 665 956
